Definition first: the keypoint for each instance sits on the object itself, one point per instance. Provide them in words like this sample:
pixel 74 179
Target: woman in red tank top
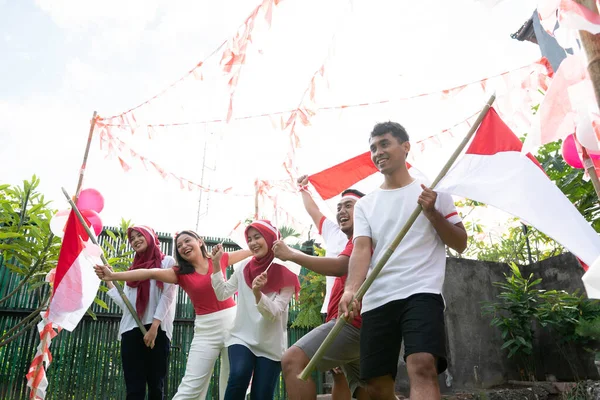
pixel 214 318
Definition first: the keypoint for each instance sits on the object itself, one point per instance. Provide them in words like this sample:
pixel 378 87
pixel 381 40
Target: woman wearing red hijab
pixel 259 335
pixel 144 357
pixel 214 317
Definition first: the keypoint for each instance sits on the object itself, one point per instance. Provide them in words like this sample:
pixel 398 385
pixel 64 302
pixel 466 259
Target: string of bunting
pixel 537 73
pixel 121 150
pixel 305 109
pixel 232 59
pixel 117 148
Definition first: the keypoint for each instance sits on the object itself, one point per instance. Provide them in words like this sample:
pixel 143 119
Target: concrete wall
pixel 475 358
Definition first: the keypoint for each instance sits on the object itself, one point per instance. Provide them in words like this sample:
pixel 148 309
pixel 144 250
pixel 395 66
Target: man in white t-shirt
pixel 335 242
pixel 404 302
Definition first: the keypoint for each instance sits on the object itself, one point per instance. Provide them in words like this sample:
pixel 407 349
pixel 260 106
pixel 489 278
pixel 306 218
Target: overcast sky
pixel 61 60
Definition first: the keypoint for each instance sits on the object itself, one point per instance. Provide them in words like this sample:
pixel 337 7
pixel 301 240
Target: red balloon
pixel 94 220
pixel 569 152
pixel 90 199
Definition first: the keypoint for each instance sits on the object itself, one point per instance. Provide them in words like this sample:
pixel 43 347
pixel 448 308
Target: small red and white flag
pixel 75 283
pixel 494 171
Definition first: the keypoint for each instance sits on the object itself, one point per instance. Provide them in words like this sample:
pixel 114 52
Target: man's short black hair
pixel 353 191
pixel 393 128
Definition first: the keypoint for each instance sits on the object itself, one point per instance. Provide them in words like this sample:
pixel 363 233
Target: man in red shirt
pixel 344 352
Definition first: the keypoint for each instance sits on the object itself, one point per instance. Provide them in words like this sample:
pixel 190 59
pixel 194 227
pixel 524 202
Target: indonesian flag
pixel 334 180
pixel 75 283
pixel 494 171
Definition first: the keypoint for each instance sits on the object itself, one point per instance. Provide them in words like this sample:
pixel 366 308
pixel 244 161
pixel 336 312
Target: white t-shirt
pixel 161 304
pixel 335 242
pixel 261 327
pixel 418 264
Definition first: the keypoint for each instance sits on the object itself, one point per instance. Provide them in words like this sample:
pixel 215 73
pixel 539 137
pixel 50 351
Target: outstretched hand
pixel 282 251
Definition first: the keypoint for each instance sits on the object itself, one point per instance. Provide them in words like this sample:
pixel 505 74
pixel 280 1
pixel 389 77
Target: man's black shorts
pixel 418 319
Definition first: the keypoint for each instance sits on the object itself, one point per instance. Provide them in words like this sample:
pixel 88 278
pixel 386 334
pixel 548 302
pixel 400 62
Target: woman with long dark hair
pixel 214 317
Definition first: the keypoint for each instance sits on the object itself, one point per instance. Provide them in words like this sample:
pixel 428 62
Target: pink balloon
pixel 569 152
pixel 90 199
pixel 94 219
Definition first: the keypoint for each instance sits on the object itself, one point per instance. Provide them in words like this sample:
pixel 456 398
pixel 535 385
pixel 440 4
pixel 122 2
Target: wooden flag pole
pixel 591 46
pixel 588 164
pixel 77 191
pixel 85 156
pixel 117 285
pixel 339 324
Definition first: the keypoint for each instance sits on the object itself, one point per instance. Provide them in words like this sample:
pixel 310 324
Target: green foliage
pixel 573 319
pixel 311 296
pixel 515 312
pixel 27 245
pixel 570 181
pixel 512 245
pixel 115 246
pixel 288 232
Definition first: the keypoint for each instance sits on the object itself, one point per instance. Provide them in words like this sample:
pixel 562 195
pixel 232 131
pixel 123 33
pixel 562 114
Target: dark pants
pixel 242 363
pixel 144 366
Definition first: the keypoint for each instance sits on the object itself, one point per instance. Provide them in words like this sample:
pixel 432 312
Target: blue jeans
pixel 242 363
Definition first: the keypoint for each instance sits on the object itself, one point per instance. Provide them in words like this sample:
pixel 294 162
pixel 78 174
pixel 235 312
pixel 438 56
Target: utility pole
pixel 201 184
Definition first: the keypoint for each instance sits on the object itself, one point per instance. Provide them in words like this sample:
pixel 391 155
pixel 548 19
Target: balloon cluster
pixel 90 203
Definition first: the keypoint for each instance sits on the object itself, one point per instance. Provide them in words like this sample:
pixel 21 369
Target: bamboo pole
pixel 117 285
pixel 591 46
pixel 85 155
pixel 256 199
pixel 339 324
pixel 591 170
pixel 77 191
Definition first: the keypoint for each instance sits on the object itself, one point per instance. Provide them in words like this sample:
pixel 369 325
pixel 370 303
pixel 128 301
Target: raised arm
pixel 330 266
pixel 239 255
pixel 309 204
pixel 164 275
pixel 223 289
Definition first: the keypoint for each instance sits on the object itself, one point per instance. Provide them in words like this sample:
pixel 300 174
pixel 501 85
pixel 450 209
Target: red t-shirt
pixel 338 290
pixel 199 288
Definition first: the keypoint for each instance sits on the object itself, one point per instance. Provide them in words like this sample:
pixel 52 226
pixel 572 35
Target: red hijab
pixel 151 258
pixel 278 276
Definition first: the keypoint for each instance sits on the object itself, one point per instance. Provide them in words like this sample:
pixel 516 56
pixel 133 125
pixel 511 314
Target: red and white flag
pixel 494 171
pixel 75 283
pixel 334 180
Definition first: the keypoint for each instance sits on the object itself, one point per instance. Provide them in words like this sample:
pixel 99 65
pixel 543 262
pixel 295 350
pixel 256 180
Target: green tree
pixel 312 292
pixel 28 248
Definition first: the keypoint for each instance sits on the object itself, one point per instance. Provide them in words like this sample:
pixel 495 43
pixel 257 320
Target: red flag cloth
pixel 75 283
pixel 334 180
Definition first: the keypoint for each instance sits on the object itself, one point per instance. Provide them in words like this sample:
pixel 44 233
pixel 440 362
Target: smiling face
pixel 387 153
pixel 345 215
pixel 257 243
pixel 138 241
pixel 188 247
